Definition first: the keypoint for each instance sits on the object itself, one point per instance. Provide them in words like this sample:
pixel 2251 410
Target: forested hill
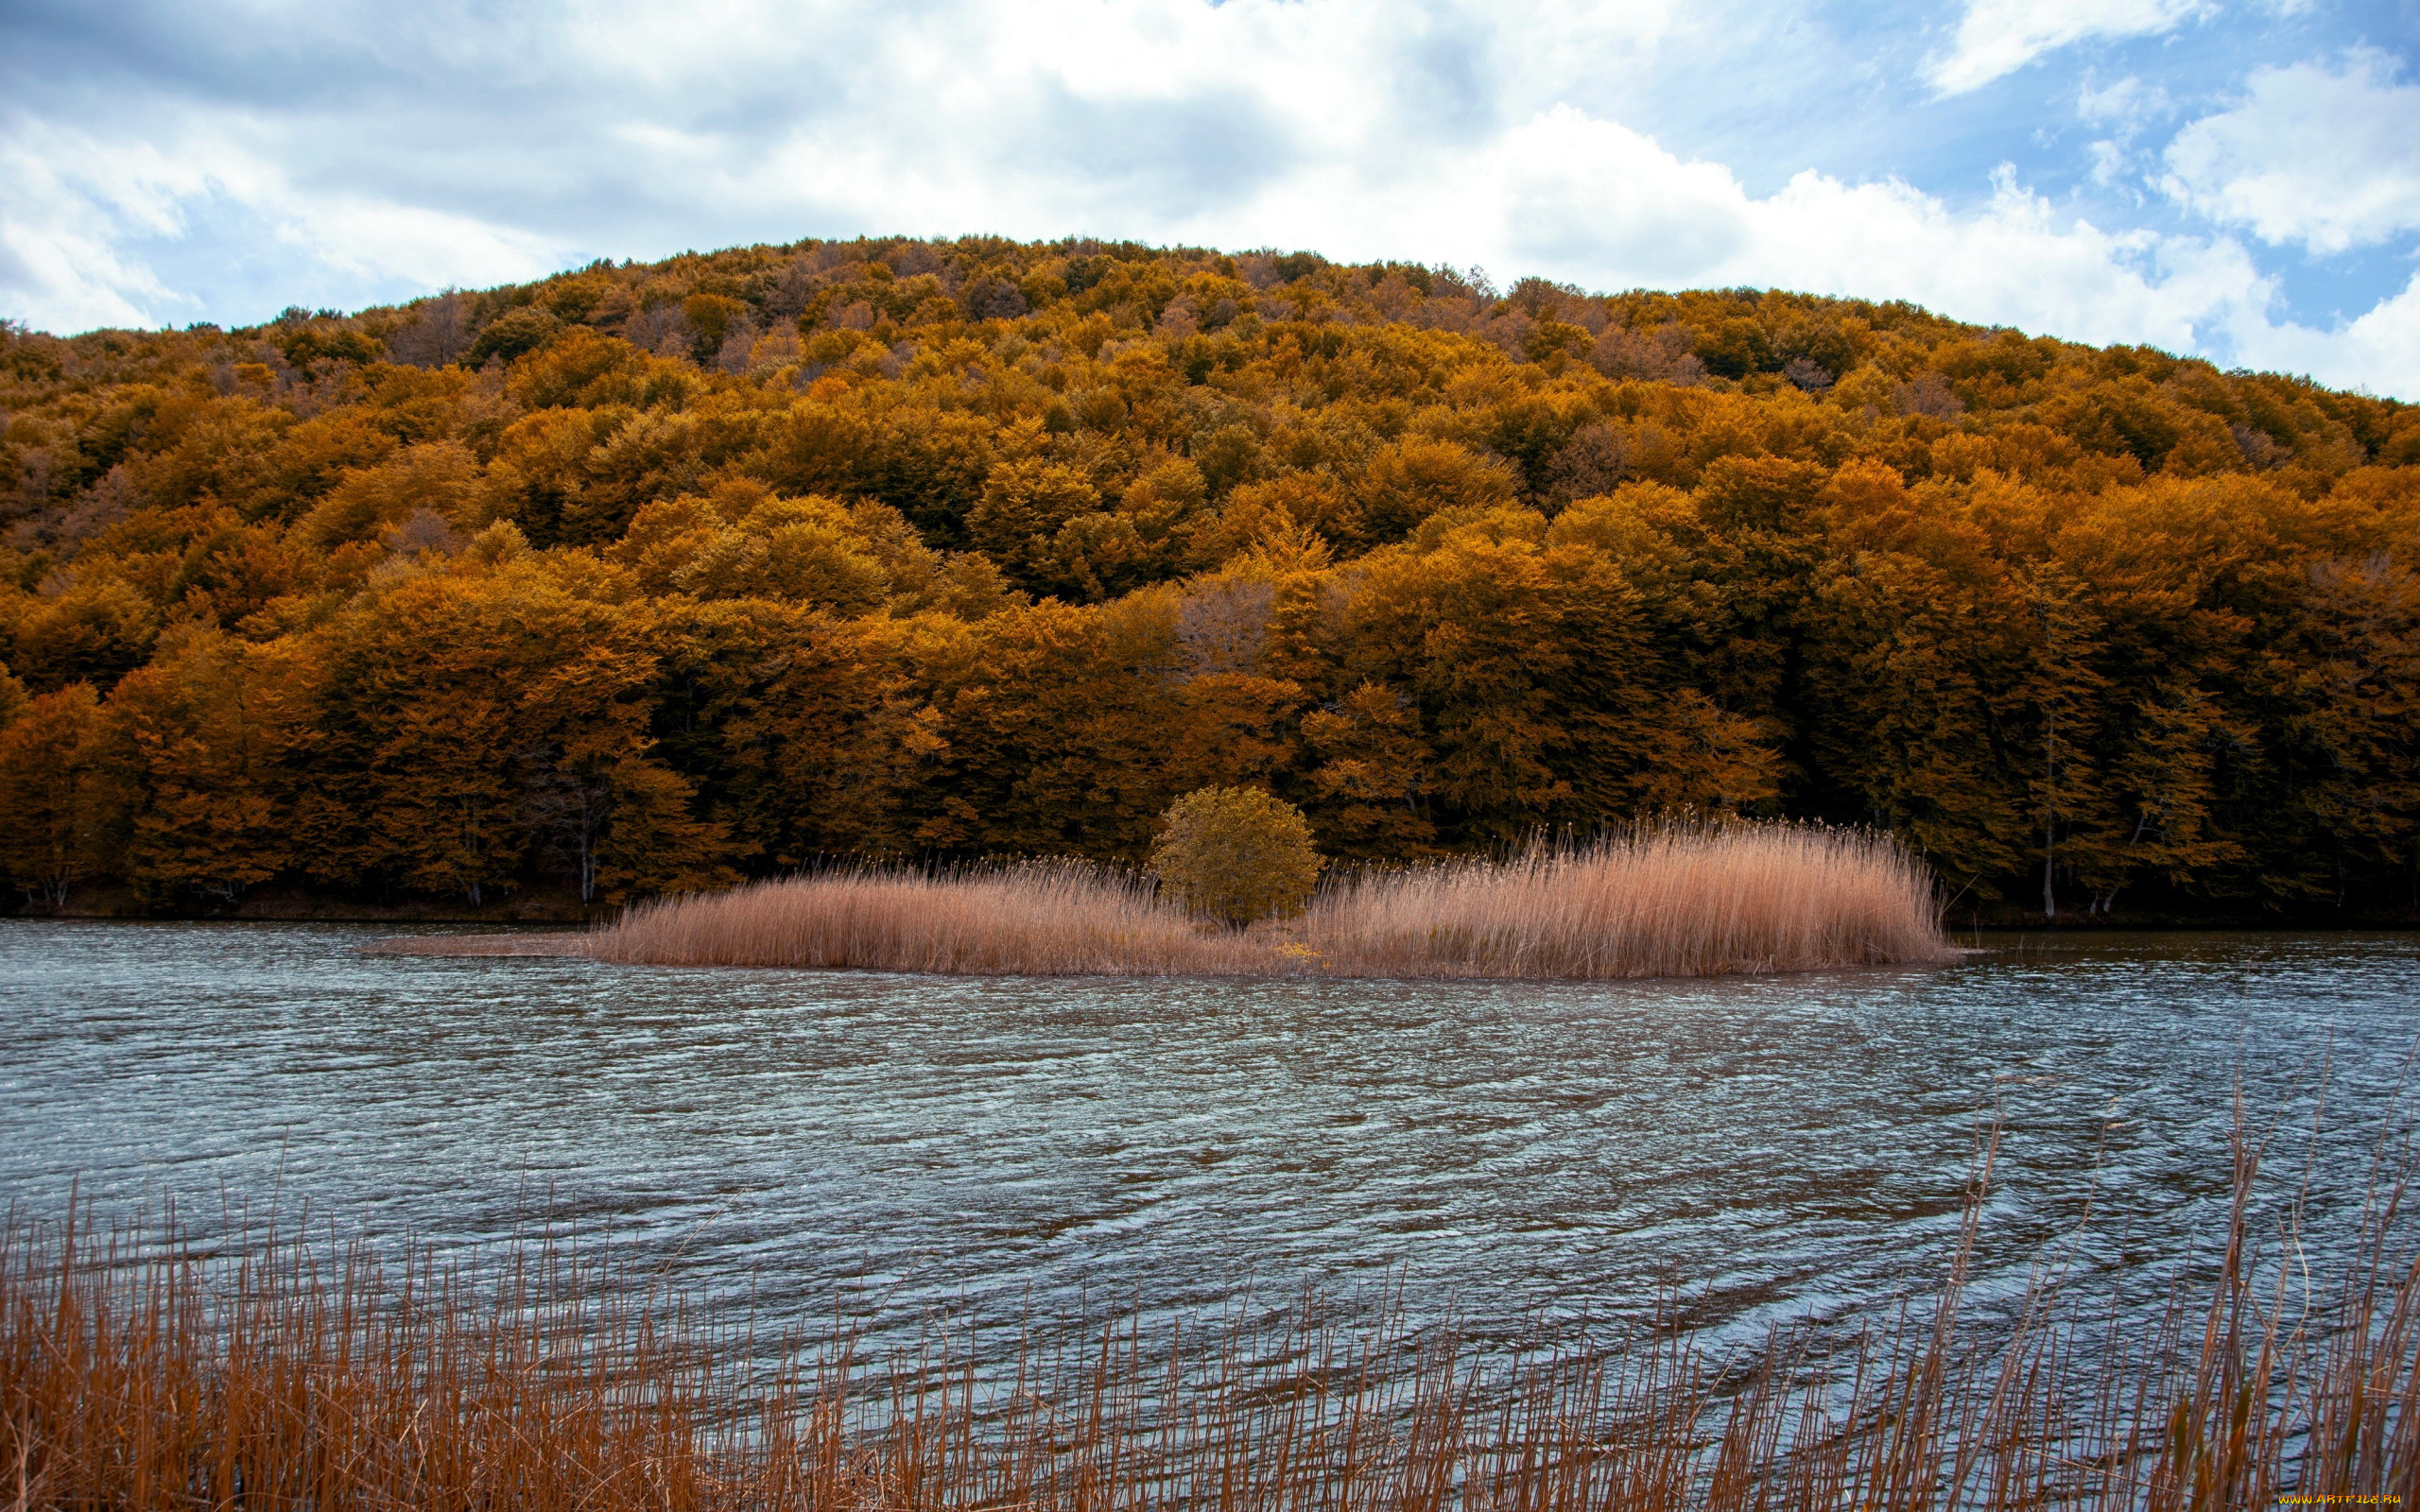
pixel 646 578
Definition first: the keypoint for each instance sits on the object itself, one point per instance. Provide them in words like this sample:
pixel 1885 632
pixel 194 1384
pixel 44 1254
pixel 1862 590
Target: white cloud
pixel 2385 344
pixel 1996 38
pixel 2380 350
pixel 427 247
pixel 2327 159
pixel 1616 210
pixel 2124 109
pixel 1418 129
pixel 83 206
pixel 2126 103
pixel 69 209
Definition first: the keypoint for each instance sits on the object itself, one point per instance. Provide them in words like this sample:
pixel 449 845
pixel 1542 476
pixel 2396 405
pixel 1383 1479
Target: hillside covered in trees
pixel 649 577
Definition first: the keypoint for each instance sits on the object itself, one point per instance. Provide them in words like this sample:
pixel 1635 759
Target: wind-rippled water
pixel 1768 1147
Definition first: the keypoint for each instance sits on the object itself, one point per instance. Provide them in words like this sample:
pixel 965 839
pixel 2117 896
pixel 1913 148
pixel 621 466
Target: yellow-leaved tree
pixel 1236 854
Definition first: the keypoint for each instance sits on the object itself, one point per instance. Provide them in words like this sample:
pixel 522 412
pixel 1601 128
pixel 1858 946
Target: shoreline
pixel 546 913
pixel 571 945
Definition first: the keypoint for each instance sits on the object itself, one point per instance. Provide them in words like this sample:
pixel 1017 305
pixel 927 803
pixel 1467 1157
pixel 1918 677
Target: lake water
pixel 1771 1147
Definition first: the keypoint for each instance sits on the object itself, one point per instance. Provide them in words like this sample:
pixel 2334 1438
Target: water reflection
pixel 1771 1146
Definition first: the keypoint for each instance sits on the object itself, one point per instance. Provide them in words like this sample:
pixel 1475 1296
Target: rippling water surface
pixel 1771 1147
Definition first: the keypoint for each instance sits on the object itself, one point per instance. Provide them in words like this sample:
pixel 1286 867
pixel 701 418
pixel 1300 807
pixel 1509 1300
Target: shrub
pixel 1236 854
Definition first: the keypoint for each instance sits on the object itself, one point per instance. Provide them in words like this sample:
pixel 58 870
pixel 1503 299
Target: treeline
pixel 646 578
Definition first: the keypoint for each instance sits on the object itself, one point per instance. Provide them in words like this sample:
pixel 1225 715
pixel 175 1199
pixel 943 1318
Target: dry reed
pixel 1665 900
pixel 1055 919
pixel 1670 900
pixel 271 1374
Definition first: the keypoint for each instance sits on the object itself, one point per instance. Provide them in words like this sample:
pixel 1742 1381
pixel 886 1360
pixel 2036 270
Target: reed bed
pixel 1054 919
pixel 1665 900
pixel 143 1373
pixel 1668 900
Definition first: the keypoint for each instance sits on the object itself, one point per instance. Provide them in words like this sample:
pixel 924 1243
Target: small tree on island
pixel 1236 854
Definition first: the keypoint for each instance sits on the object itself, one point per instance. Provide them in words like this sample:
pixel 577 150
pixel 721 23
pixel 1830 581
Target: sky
pixel 2238 179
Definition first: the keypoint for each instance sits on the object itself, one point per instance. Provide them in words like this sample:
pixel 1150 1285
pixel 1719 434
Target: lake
pixel 1766 1148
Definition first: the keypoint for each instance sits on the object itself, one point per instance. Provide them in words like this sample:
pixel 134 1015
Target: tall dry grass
pixel 1671 900
pixel 1057 918
pixel 279 1375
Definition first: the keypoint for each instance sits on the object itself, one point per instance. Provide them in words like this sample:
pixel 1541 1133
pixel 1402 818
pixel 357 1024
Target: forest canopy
pixel 650 577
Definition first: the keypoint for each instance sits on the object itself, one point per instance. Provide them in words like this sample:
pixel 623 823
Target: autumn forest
pixel 647 578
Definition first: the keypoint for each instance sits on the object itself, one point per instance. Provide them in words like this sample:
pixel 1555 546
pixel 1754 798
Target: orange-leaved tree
pixel 1236 854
